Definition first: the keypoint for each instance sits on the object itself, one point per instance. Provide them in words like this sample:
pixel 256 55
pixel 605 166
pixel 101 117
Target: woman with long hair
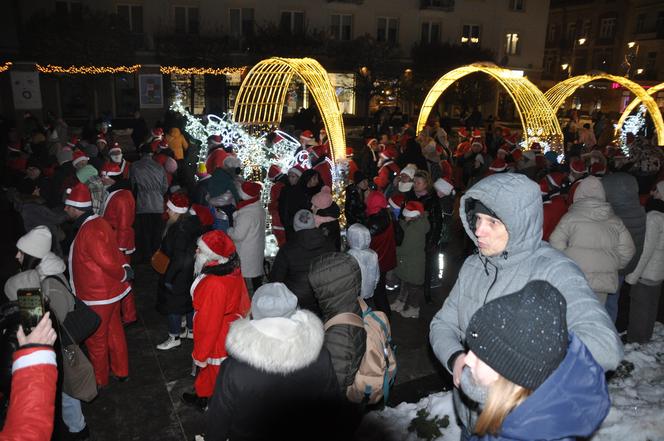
pixel 531 378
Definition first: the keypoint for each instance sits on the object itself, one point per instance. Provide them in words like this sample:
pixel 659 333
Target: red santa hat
pixel 389 152
pixel 79 196
pixel 79 156
pixel 163 144
pixel 115 149
pixel 318 151
pixel 349 152
pixel 579 166
pixel 214 141
pixel 498 165
pixel 73 142
pixel 110 169
pixel 216 245
pixel 372 141
pixel 396 200
pixel 413 209
pixel 249 190
pixel 14 146
pixel 598 169
pixel 322 199
pixel 443 186
pixel 178 203
pixel 203 213
pixel 307 138
pixel 296 170
pixel 274 172
pixel 463 133
pixel 157 132
pixel 101 139
pixel 477 133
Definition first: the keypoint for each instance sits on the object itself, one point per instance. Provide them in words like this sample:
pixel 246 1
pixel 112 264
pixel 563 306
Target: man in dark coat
pixel 291 266
pixel 278 381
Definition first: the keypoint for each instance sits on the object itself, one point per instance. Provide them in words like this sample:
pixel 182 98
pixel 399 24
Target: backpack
pixel 378 367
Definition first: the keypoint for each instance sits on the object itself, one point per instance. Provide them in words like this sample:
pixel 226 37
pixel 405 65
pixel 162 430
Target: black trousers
pixel 148 228
pixel 379 298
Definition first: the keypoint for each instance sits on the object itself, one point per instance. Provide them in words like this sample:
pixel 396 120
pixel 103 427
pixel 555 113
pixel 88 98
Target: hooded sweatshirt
pixel 594 237
pixel 359 239
pixel 517 202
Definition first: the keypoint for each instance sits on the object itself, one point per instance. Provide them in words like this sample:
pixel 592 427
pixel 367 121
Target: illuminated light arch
pixel 563 90
pixel 263 93
pixel 635 102
pixel 537 118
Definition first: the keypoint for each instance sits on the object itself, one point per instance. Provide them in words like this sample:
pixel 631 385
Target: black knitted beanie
pixel 522 336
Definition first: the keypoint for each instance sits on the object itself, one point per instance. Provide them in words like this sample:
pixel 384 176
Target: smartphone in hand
pixel 31 307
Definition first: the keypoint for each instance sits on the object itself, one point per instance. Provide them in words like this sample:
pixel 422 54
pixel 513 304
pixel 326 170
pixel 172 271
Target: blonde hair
pixel 424 174
pixel 503 397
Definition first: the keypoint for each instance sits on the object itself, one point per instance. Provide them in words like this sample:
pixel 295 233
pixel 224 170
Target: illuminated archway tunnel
pixel 263 93
pixel 635 102
pixel 538 120
pixel 563 90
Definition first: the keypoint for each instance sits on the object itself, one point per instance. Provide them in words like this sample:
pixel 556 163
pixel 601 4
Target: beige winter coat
pixel 650 268
pixel 594 237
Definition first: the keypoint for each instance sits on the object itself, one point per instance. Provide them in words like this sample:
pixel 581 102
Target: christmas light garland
pixel 538 120
pixel 86 70
pixel 167 70
pixel 5 67
pixel 635 102
pixel 633 124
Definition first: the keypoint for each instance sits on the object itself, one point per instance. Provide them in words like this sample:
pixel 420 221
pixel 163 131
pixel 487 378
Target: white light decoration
pixel 632 124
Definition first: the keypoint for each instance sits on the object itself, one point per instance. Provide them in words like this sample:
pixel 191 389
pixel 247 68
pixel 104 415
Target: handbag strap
pixel 62 324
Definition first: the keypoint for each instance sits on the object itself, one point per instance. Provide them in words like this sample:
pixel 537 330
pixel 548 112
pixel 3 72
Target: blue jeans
pixel 465 434
pixel 175 323
pixel 72 414
pixel 611 304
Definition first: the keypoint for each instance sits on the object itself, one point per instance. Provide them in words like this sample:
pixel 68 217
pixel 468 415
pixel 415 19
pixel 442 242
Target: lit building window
pixel 512 44
pixel 470 34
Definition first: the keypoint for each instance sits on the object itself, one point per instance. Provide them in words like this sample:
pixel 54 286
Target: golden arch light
pixel 537 118
pixel 635 102
pixel 563 90
pixel 263 93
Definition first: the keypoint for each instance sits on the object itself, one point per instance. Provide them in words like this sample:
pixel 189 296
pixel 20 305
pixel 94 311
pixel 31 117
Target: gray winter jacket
pixel 337 281
pixel 622 192
pixel 359 239
pixel 148 181
pixel 516 200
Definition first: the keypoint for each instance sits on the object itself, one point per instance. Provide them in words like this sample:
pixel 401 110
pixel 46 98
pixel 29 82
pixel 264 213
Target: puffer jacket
pixel 291 266
pixel 149 184
pixel 622 192
pixel 381 228
pixel 650 268
pixel 248 233
pixel 359 239
pixel 331 229
pixel 411 257
pixel 337 282
pixel 177 142
pixel 434 214
pixel 354 205
pixel 595 238
pixel 277 368
pixel 573 402
pixel 517 201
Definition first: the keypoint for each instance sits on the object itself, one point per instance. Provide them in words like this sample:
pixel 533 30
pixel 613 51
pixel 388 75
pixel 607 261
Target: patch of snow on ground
pixel 637 403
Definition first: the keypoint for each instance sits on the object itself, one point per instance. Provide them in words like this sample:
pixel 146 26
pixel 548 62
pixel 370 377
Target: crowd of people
pixel 550 238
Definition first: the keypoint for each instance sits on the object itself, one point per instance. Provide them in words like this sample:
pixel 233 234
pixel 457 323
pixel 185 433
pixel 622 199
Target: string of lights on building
pixel 103 70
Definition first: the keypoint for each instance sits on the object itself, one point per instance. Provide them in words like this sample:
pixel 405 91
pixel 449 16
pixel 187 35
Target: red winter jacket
pixel 385 175
pixel 218 302
pixel 554 209
pixel 32 403
pixel 96 265
pixel 119 210
pixel 273 205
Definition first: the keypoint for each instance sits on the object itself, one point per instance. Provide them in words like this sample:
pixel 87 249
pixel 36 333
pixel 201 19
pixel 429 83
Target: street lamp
pixel 577 42
pixel 639 71
pixel 630 55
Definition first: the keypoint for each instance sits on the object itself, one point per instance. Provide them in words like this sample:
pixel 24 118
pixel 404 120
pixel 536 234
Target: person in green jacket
pixel 411 260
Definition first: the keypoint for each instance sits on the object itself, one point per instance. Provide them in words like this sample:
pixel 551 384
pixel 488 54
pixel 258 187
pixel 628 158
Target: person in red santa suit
pixel 220 297
pixel 115 155
pixel 387 168
pixel 119 209
pixel 318 158
pixel 99 276
pixel 554 202
pixel 278 179
pixel 307 140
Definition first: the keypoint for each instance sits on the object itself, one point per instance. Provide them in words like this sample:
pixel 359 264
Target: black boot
pixel 194 400
pixel 79 436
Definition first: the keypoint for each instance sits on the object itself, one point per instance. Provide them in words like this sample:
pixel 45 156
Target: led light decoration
pixel 167 70
pixel 86 70
pixel 538 119
pixel 563 90
pixel 262 95
pixel 5 67
pixel 635 102
pixel 633 124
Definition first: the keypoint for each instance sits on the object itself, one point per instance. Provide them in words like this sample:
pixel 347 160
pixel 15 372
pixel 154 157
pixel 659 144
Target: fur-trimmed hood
pixel 277 344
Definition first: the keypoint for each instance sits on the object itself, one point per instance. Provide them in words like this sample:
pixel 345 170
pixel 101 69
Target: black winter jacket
pixel 179 245
pixel 354 206
pixel 331 229
pixel 432 207
pixel 337 282
pixel 291 266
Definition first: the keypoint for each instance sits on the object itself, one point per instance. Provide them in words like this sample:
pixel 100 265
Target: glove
pixel 129 273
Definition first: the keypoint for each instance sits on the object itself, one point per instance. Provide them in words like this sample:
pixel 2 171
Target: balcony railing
pixel 443 5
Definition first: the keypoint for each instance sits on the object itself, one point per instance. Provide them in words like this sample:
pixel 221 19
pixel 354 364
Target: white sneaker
pixel 410 312
pixel 187 333
pixel 170 343
pixel 397 305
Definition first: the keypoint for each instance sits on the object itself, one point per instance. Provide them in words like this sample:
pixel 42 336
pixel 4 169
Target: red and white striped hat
pixel 79 196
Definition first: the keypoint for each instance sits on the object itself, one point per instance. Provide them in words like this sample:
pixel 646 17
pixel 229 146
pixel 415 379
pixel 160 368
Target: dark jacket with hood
pixel 622 192
pixel 179 244
pixel 291 266
pixel 412 155
pixel 570 404
pixel 434 213
pixel 517 202
pixel 277 370
pixel 337 281
pixel 294 198
pixel 331 229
